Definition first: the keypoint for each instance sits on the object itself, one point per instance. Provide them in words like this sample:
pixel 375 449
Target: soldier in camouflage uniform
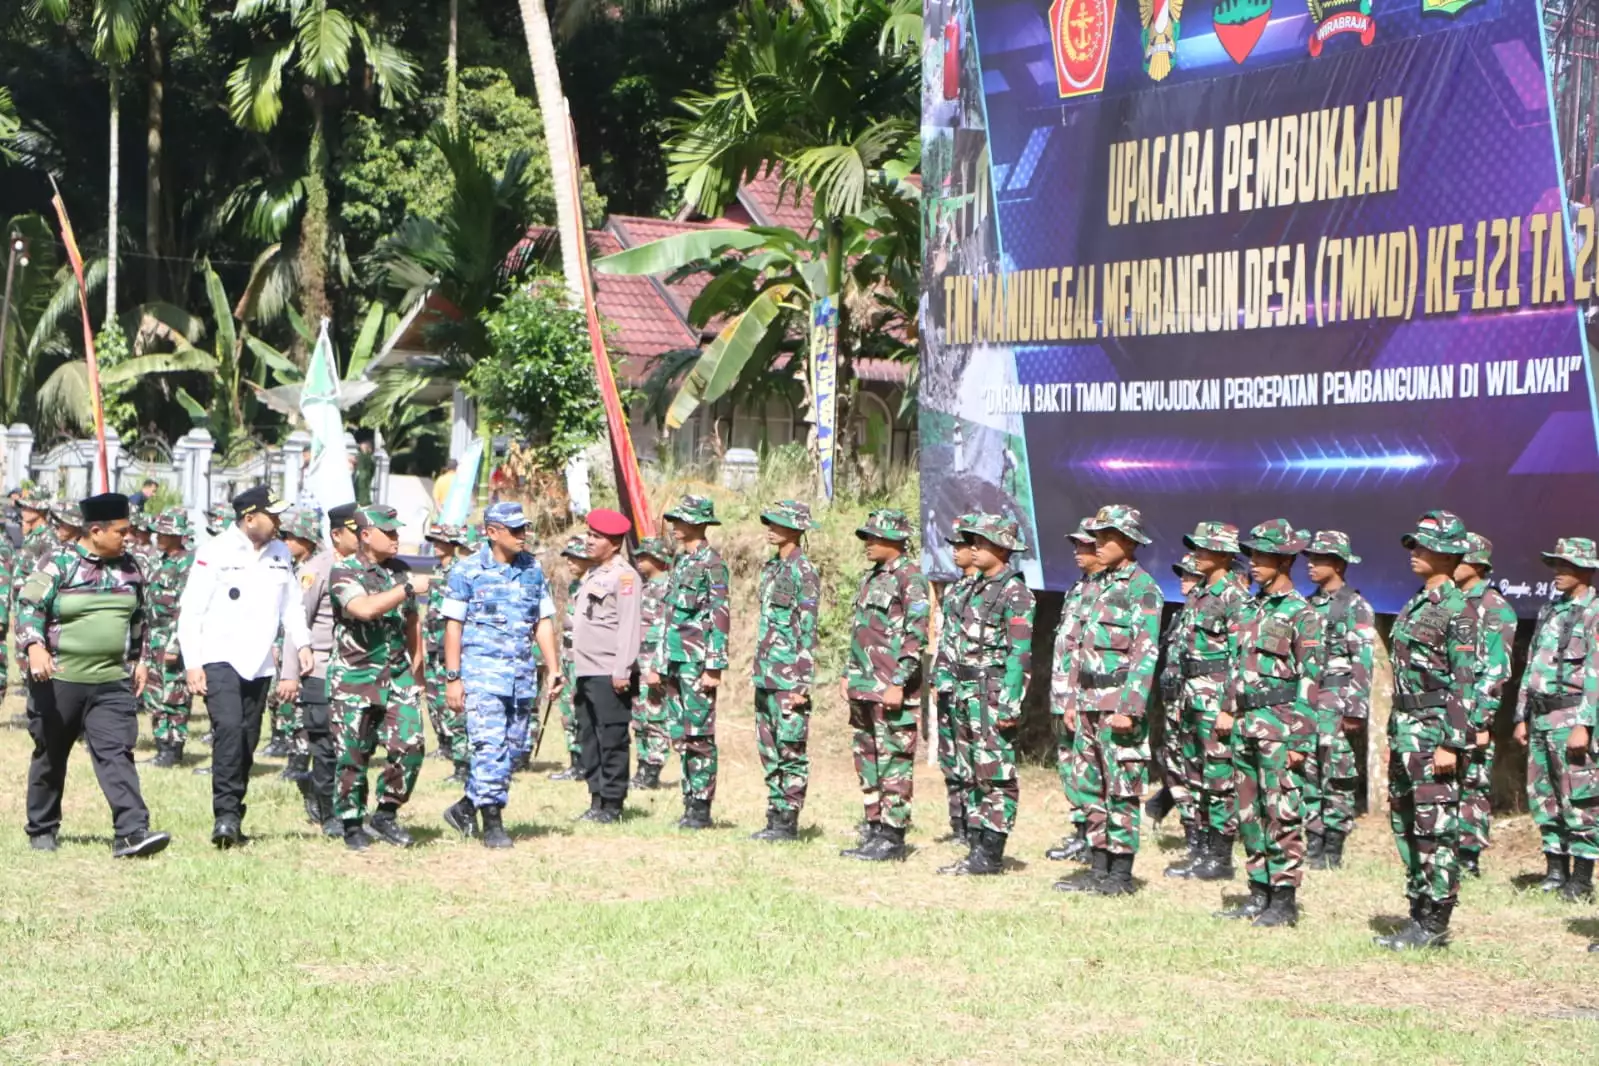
pixel 141 544
pixel 575 555
pixel 216 520
pixel 693 653
pixel 790 594
pixel 1206 662
pixel 166 692
pixel 652 734
pixel 1556 723
pixel 1112 673
pixel 67 519
pixel 1434 642
pixel 1344 704
pixel 448 726
pixel 952 747
pixel 1175 790
pixel 1269 717
pixel 993 658
pixel 39 544
pixel 1496 636
pixel 1069 746
pixel 883 681
pixel 371 680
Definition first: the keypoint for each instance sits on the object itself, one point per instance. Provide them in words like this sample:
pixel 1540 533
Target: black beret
pixel 106 507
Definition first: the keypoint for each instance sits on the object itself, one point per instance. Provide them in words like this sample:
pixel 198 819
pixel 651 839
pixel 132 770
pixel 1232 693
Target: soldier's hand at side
pixel 1444 762
pixel 420 583
pixel 40 664
pixel 620 685
pixel 1578 740
pixel 652 679
pixel 894 696
pixel 1070 717
pixel 1520 735
pixel 416 664
pixel 195 676
pixel 1121 723
pixel 1296 759
pixel 1351 726
pixel 171 658
pixel 141 677
pixel 710 679
pixel 455 696
pixel 1484 738
pixel 288 689
pixel 1224 724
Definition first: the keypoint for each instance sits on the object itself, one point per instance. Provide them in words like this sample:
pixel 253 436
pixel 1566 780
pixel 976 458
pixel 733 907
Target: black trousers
pixel 319 733
pixel 107 717
pixel 235 705
pixel 603 718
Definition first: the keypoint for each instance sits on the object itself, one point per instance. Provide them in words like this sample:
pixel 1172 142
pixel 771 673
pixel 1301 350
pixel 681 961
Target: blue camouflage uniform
pixel 499 607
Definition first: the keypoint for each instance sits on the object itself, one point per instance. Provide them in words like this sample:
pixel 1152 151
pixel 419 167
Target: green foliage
pixel 111 350
pixel 537 381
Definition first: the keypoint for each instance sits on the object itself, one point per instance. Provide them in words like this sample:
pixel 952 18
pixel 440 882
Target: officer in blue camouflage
pixel 497 606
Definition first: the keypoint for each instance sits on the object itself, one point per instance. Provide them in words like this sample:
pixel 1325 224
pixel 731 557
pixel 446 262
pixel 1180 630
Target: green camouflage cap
pixel 657 548
pixel 1276 537
pixel 577 547
pixel 34 500
pixel 66 514
pixel 474 537
pixel 140 521
pixel 790 514
pixel 173 522
pixel 886 523
pixel 378 516
pixel 447 533
pixel 306 525
pixel 1480 551
pixel 1213 537
pixel 957 528
pixel 1578 551
pixel 1187 566
pixel 695 510
pixel 1439 531
pixel 997 530
pixel 1332 542
pixel 1082 534
pixel 1123 519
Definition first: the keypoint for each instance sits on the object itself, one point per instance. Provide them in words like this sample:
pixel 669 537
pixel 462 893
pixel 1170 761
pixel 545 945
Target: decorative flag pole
pixel 76 258
pixel 328 474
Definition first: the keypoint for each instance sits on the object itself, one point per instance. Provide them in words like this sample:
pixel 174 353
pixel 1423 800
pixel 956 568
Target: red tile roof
pixel 634 230
pixel 772 205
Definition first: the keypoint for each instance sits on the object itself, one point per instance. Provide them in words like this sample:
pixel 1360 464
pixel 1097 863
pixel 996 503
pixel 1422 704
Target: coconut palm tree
pixel 558 140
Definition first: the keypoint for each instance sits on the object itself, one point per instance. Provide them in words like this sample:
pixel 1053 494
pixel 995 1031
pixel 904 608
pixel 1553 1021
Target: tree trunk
pixel 557 140
pixel 114 180
pixel 154 114
pixel 314 227
pixel 452 81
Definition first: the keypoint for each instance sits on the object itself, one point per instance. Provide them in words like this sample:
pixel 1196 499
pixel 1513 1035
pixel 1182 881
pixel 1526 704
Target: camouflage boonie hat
pixel 1332 542
pixel 1480 551
pixel 1213 537
pixel 998 530
pixel 576 547
pixel 140 521
pixel 173 522
pixel 1187 566
pixel 1082 534
pixel 790 514
pixel 657 548
pixel 886 523
pixel 447 533
pixel 957 528
pixel 1439 531
pixel 305 525
pixel 66 514
pixel 34 500
pixel 377 516
pixel 1276 537
pixel 1123 519
pixel 216 517
pixel 695 510
pixel 1578 551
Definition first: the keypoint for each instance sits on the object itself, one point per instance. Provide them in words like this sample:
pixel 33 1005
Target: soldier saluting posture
pixel 1496 635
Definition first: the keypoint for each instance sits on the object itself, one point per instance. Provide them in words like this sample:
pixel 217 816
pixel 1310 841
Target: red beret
pixel 609 523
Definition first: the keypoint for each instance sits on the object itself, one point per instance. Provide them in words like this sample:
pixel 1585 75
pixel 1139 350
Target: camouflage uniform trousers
pixel 288 723
pixel 166 697
pixel 390 716
pixel 1562 791
pixel 1330 776
pixel 1270 809
pixel 991 754
pixel 449 726
pixel 692 713
pixel 884 747
pixel 1424 811
pixel 1217 801
pixel 1181 756
pixel 494 728
pixel 782 727
pixel 564 704
pixel 1069 765
pixel 954 747
pixel 652 733
pixel 1114 771
pixel 1476 798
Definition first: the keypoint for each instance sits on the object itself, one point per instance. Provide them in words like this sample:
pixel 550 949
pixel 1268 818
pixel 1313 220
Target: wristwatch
pixel 410 590
pixel 452 675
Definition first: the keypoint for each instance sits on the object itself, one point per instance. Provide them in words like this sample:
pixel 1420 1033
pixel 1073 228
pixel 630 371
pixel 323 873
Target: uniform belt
pixel 977 673
pixel 1203 667
pixel 1544 704
pixel 1274 696
pixel 1420 700
pixel 1335 675
pixel 1091 679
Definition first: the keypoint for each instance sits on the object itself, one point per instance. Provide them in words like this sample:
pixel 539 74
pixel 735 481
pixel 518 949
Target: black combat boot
pixel 461 816
pixel 1559 869
pixel 355 838
pixel 610 812
pixel 1253 907
pixel 765 833
pixel 1580 887
pixel 696 814
pixel 298 768
pixel 593 810
pixel 1087 880
pixel 1159 805
pixel 332 825
pixel 226 833
pixel 1193 839
pixel 277 748
pixel 1282 910
pixel 1217 865
pixel 1072 848
pixel 164 757
pixel 1411 934
pixel 1118 881
pixel 1429 930
pixel 571 773
pixel 957 825
pixel 782 827
pixel 962 865
pixel 1315 843
pixel 385 826
pixel 1332 851
pixel 887 846
pixel 867 832
pixel 649 777
pixel 987 857
pixel 1470 862
pixel 44 842
pixel 494 834
pixel 1198 854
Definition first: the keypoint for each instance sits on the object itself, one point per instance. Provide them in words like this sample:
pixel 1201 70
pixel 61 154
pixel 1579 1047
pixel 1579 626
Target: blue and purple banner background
pixel 1015 179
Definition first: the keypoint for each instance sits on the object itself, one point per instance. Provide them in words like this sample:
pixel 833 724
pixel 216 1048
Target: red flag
pixel 76 259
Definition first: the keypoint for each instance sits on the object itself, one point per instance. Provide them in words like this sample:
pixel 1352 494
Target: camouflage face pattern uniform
pixel 1562 785
pixel 790 594
pixel 166 693
pixel 1496 636
pixel 1434 647
pixel 1074 615
pixel 694 640
pixel 373 695
pixel 887 634
pixel 652 734
pixel 952 747
pixel 993 660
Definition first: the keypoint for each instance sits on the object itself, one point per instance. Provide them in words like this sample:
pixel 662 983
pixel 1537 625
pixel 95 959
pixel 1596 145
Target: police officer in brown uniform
pixel 606 633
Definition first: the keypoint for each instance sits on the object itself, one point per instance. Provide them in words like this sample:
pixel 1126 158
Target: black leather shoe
pixel 166 756
pixel 1087 880
pixel 461 816
pixel 137 843
pixel 987 858
pixel 696 814
pixel 609 813
pixel 355 836
pixel 332 827
pixel 494 834
pixel 571 773
pixel 887 846
pixel 1253 907
pixel 1282 910
pixel 385 827
pixel 868 833
pixel 43 842
pixel 226 833
pixel 1557 869
pixel 1118 879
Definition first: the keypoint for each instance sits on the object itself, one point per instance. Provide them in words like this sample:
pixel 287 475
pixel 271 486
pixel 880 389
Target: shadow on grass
pixel 1387 924
pixel 1585 927
pixel 533 831
pixel 1526 882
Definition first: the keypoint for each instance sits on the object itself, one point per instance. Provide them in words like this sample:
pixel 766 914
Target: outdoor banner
pixel 1243 259
pixel 327 475
pixel 824 386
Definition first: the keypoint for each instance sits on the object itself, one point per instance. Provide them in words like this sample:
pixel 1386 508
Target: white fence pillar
pixel 19 455
pixel 192 454
pixel 295 449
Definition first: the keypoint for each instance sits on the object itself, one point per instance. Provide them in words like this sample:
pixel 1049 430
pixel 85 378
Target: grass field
pixel 639 943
